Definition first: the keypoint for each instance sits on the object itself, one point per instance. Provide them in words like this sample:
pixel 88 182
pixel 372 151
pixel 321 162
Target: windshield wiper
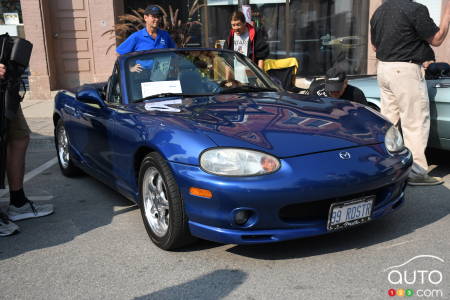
pixel 247 88
pixel 164 95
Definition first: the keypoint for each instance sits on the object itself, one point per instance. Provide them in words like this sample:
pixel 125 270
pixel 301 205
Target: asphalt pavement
pixel 95 247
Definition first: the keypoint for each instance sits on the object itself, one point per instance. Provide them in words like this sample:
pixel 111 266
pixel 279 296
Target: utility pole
pixel 243 2
pixel 286 28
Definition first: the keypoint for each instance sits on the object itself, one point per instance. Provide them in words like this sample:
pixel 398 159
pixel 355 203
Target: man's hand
pixel 261 64
pixel 230 83
pixel 427 63
pixel 2 71
pixel 136 68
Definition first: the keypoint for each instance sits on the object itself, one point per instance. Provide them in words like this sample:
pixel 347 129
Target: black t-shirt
pixel 351 93
pixel 400 30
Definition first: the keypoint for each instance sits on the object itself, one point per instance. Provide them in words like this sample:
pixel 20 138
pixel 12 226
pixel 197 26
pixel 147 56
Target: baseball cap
pixel 153 10
pixel 335 79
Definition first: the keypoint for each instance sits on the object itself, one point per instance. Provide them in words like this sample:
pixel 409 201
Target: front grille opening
pixel 318 210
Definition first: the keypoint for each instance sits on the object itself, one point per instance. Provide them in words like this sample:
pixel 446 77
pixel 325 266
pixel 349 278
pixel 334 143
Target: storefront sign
pixel 235 2
pixel 11 18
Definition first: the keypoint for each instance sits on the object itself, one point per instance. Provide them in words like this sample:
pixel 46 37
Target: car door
pixel 439 93
pixel 95 130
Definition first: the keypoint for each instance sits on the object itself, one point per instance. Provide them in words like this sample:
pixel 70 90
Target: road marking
pixel 33 198
pixel 33 173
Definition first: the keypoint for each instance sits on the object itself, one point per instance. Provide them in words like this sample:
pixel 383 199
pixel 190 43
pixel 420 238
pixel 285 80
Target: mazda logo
pixel 344 155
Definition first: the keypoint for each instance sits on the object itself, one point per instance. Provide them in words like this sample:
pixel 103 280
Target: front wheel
pixel 161 204
pixel 62 148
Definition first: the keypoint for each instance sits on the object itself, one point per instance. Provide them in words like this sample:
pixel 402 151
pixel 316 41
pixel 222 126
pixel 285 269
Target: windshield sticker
pixel 163 105
pixel 158 87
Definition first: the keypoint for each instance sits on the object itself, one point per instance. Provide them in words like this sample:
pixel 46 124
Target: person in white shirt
pixel 245 39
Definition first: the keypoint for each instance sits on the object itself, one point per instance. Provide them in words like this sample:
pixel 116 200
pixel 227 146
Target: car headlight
pixel 238 162
pixel 393 140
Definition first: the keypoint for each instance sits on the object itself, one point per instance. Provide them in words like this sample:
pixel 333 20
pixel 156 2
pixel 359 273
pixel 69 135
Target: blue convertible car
pixel 208 146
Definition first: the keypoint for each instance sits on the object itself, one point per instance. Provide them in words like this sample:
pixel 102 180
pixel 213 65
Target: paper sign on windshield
pixel 158 87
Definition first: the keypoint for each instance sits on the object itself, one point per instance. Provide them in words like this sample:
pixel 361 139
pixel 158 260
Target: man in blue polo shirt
pixel 148 38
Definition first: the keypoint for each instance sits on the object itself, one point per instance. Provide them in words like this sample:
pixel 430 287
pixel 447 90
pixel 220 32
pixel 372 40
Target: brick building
pixel 69 48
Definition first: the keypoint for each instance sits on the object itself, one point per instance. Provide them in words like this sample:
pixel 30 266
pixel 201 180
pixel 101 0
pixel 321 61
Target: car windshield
pixel 192 73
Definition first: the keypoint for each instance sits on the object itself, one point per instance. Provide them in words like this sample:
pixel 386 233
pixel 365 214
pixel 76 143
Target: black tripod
pixel 3 121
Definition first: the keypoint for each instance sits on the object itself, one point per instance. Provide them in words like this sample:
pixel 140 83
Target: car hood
pixel 282 124
pixel 369 85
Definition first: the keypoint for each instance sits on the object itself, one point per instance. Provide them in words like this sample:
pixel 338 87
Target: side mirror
pixel 90 95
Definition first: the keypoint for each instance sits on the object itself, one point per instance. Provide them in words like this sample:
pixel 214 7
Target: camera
pixel 15 54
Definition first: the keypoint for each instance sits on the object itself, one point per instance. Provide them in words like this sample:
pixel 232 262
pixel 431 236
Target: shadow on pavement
pixel 215 285
pixel 82 204
pixel 441 159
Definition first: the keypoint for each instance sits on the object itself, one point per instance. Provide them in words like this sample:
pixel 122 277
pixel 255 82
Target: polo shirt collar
pixel 145 33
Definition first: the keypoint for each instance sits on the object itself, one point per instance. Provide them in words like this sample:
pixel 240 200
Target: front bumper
pixel 244 237
pixel 293 202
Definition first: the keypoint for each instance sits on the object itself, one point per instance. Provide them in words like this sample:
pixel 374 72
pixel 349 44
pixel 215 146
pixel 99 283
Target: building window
pixel 268 17
pixel 324 32
pixel 10 12
pixel 319 32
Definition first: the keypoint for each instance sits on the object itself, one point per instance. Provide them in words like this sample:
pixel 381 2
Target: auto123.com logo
pixel 420 276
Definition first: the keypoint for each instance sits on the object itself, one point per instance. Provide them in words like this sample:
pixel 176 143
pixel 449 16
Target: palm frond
pixel 178 29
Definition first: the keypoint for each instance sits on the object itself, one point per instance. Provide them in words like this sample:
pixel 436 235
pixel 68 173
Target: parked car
pixel 438 82
pixel 208 146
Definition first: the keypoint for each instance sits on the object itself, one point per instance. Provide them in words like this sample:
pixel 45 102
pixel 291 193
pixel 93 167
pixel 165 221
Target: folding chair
pixel 284 71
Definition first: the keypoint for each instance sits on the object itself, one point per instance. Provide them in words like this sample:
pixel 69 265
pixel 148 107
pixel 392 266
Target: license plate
pixel 350 213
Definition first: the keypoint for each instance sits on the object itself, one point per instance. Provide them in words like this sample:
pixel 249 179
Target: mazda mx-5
pixel 210 147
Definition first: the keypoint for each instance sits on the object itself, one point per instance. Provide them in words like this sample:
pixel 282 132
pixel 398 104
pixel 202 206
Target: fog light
pixel 241 217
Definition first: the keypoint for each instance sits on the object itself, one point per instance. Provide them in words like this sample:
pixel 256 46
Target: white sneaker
pixel 29 210
pixel 6 226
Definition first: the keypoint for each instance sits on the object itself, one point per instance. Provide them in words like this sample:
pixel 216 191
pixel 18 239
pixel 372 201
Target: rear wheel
pixel 161 204
pixel 62 148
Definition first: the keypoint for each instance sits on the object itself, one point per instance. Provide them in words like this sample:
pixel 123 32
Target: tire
pixel 161 205
pixel 62 150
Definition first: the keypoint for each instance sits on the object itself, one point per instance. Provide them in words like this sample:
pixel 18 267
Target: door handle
pixel 56 35
pixel 87 115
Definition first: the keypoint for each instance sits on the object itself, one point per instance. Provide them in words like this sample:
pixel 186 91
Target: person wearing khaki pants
pixel 404 96
pixel 401 34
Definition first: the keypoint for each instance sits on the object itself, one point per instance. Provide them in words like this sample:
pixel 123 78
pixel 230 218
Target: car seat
pixel 191 82
pixel 284 71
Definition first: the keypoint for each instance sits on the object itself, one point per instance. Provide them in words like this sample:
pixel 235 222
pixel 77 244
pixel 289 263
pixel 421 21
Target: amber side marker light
pixel 200 192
